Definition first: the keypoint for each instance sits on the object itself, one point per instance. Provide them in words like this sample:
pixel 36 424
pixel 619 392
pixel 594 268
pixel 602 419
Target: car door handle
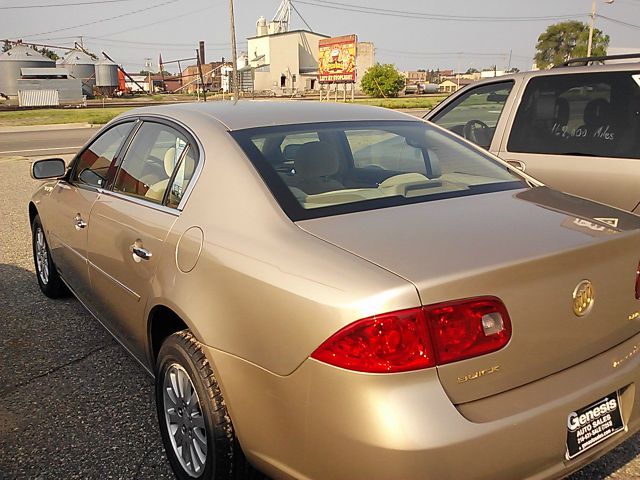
pixel 139 253
pixel 80 223
pixel 518 164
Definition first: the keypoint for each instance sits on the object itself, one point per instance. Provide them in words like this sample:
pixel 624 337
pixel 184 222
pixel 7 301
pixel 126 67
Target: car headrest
pixel 597 112
pixel 316 159
pixel 170 161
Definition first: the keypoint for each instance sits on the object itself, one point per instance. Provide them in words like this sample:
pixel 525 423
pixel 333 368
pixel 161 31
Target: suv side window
pixel 157 161
pixel 475 114
pixel 592 114
pixel 92 167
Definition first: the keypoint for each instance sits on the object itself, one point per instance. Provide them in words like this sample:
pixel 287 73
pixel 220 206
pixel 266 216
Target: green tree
pixel 46 52
pixel 6 46
pixel 382 81
pixel 471 70
pixel 566 40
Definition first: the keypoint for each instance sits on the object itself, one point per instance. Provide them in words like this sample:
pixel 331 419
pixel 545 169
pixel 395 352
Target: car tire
pixel 48 277
pixel 203 426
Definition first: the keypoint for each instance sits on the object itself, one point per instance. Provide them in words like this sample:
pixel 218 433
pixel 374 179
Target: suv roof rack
pixel 583 61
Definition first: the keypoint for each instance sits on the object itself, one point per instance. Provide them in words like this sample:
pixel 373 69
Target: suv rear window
pixel 316 170
pixel 590 114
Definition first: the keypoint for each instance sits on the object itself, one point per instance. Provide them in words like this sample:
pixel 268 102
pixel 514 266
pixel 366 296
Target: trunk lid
pixel 530 248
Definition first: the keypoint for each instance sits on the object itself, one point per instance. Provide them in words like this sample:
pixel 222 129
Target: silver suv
pixel 575 127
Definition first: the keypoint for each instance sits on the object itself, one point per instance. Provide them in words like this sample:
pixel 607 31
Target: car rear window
pixel 588 114
pixel 317 170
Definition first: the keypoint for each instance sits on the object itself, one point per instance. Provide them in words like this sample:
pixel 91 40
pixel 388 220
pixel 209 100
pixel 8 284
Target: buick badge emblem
pixel 583 298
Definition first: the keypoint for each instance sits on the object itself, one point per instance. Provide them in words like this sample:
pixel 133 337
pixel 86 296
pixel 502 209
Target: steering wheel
pixel 476 131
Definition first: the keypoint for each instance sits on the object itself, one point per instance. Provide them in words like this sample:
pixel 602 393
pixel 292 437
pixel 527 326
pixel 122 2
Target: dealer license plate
pixel 593 424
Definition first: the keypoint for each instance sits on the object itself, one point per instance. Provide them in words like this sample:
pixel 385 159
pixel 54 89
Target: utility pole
pixel 148 64
pixel 234 54
pixel 592 24
pixel 204 87
pixel 593 20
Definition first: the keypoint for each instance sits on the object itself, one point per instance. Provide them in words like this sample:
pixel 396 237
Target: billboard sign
pixel 337 62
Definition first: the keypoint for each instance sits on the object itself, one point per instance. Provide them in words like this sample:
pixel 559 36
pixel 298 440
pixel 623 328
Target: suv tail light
pixel 638 282
pixel 420 337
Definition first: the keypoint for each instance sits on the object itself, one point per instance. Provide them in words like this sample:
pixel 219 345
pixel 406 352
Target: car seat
pixel 314 164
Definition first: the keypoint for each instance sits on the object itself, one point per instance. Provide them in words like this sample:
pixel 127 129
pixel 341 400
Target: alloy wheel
pixel 185 422
pixel 42 256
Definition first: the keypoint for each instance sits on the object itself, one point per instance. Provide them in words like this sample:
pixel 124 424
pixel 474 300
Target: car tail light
pixel 468 328
pixel 638 282
pixel 420 337
pixel 393 342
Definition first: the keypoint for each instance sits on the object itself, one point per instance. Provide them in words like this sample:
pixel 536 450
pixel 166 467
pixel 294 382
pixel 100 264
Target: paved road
pixel 46 142
pixel 73 404
pixel 65 141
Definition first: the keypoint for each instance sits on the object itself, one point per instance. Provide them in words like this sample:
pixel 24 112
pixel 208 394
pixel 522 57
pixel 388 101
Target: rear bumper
pixel 322 422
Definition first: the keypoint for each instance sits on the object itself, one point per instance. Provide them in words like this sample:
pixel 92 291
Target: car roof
pixel 609 67
pixel 258 113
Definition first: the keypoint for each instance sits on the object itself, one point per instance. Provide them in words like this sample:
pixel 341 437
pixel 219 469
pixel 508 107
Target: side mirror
pixel 48 168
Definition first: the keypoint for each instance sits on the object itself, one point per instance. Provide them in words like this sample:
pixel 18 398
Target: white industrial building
pixel 285 62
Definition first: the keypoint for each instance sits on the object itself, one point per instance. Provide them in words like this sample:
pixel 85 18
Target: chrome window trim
pixel 139 201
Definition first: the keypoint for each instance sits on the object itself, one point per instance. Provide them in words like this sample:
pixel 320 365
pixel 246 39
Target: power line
pixel 619 22
pixel 75 4
pixel 125 42
pixel 101 20
pixel 139 27
pixel 429 16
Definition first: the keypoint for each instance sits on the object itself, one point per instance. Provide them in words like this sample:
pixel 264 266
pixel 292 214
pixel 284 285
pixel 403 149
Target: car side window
pixel 156 153
pixel 92 167
pixel 589 114
pixel 475 114
pixel 181 178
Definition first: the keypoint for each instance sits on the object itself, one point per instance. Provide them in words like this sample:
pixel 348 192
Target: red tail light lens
pixel 420 337
pixel 468 328
pixel 638 282
pixel 394 342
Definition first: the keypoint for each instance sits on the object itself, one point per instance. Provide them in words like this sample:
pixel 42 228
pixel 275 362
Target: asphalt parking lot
pixel 73 404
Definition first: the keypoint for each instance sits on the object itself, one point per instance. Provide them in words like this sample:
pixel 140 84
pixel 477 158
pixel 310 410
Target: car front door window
pixel 475 114
pixel 93 164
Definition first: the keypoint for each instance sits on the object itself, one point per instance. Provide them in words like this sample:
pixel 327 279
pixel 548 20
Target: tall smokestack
pixel 202 60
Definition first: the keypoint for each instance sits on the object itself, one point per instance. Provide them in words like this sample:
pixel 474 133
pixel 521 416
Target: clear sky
pixel 447 34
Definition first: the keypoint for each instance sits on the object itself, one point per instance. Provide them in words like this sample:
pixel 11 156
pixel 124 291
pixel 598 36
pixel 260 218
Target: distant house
pixel 210 73
pixel 415 76
pixel 451 85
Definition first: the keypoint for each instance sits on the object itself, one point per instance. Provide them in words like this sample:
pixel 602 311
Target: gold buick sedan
pixel 328 291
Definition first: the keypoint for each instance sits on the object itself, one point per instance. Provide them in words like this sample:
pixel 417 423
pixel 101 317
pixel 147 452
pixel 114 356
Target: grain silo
pixel 15 59
pixel 106 76
pixel 81 66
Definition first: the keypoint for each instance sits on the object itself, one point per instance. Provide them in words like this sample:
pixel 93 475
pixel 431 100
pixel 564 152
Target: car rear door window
pixel 587 114
pixel 157 158
pixel 475 114
pixel 92 167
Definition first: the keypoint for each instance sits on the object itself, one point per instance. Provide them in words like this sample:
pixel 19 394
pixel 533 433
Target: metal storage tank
pixel 106 73
pixel 12 61
pixel 83 67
